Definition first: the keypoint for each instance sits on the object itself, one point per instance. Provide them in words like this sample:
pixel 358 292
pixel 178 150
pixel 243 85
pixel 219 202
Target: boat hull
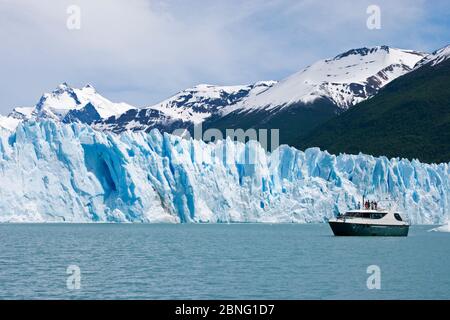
pixel 358 229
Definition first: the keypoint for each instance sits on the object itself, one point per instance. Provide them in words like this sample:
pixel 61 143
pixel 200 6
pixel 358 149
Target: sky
pixel 142 51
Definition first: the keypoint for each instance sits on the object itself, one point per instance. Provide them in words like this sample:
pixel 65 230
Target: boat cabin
pixel 368 214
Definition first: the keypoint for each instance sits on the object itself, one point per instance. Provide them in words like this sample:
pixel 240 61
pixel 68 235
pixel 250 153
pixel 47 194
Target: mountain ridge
pixel 344 80
pixel 296 105
pixel 410 118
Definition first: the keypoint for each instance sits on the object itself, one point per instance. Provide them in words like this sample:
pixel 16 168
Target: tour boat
pixel 370 222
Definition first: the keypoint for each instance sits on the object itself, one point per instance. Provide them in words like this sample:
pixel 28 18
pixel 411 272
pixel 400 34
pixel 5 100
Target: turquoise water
pixel 238 261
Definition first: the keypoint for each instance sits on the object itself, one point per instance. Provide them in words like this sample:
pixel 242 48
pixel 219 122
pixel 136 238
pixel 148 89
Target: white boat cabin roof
pixel 368 211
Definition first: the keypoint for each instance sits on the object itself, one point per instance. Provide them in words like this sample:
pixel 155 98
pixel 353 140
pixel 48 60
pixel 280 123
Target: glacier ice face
pixel 70 172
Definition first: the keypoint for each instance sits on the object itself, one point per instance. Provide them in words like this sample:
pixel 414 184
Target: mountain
pixel 345 80
pixel 22 113
pixel 409 118
pixel 69 104
pixel 435 58
pixel 294 105
pixel 186 108
pixel 317 93
pixel 55 172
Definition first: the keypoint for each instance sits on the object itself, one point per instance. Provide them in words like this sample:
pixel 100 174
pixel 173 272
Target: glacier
pixel 55 172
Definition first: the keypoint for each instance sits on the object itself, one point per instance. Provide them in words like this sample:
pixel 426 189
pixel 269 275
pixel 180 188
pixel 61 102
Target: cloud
pixel 141 51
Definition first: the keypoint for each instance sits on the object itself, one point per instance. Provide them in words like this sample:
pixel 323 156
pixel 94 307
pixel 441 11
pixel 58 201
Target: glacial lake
pixel 217 261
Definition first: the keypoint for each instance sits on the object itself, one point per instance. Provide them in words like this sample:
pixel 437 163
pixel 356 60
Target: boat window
pixel 357 214
pixel 351 214
pixel 377 215
pixel 367 215
pixel 398 217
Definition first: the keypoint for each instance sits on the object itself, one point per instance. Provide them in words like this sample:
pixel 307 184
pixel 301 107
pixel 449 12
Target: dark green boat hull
pixel 356 229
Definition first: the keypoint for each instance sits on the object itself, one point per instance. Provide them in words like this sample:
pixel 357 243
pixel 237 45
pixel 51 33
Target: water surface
pixel 220 261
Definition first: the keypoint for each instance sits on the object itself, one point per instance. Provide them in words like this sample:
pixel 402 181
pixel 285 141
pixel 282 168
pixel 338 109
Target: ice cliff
pixel 70 172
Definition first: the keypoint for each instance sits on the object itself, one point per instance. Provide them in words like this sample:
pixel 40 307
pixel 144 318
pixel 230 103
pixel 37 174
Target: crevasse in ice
pixel 56 172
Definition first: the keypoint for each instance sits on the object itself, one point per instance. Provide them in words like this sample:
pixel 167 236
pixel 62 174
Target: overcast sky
pixel 141 51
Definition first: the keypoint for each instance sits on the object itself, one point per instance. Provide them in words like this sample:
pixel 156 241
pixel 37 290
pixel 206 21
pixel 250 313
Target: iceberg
pixel 443 228
pixel 55 172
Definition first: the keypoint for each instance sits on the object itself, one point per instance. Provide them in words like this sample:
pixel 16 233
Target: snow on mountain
pixel 8 123
pixel 200 102
pixel 22 113
pixel 71 104
pixel 61 101
pixel 188 107
pixel 52 171
pixel 347 79
pixel 15 117
pixel 435 58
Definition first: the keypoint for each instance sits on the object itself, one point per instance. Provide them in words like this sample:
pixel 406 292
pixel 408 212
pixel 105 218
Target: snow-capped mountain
pixel 342 81
pixel 188 107
pixel 409 117
pixel 295 105
pixel 51 171
pixel 318 93
pixel 22 113
pixel 346 79
pixel 435 58
pixel 69 104
pixel 200 102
